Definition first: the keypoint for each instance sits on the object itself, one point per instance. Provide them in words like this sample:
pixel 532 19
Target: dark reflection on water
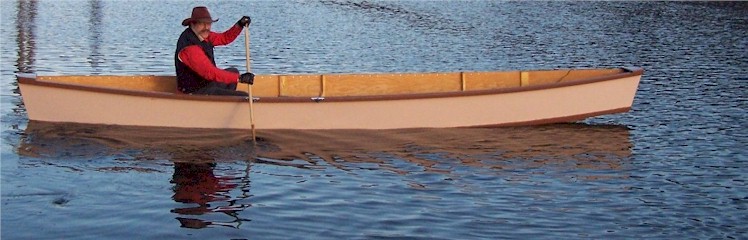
pixel 209 195
pixel 95 59
pixel 69 140
pixel 196 183
pixel 193 154
pixel 574 146
pixel 25 39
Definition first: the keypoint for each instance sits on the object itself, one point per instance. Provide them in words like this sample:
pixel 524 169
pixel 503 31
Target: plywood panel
pixel 264 86
pixel 544 77
pixel 387 84
pixel 590 73
pixel 564 75
pixel 490 80
pixel 300 85
pixel 142 83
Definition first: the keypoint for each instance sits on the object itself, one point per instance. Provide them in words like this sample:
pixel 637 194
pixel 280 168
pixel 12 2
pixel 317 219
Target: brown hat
pixel 200 14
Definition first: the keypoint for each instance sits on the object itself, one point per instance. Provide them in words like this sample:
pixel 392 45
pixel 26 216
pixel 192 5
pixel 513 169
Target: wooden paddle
pixel 249 86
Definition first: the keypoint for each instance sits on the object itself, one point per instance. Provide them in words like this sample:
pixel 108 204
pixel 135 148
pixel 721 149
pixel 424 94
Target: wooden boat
pixel 339 101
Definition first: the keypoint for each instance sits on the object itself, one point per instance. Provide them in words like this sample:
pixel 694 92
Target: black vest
pixel 188 81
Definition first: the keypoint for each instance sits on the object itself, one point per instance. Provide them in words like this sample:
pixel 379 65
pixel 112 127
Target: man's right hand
pixel 244 21
pixel 248 78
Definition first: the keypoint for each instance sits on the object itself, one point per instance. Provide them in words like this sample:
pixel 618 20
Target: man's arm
pixel 194 57
pixel 218 39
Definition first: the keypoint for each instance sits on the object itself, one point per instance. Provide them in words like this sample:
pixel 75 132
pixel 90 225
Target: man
pixel 197 72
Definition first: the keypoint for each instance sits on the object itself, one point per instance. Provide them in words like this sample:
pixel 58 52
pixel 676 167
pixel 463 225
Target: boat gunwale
pixel 31 79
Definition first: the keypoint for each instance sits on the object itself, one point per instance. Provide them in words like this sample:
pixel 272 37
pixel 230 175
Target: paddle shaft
pixel 249 86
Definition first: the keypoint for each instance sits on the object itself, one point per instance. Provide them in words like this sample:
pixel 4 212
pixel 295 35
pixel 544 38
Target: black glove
pixel 244 21
pixel 248 78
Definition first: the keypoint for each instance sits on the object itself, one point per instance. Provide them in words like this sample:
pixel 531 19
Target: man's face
pixel 202 29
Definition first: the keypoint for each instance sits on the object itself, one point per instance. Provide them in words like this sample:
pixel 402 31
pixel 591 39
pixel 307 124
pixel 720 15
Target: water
pixel 674 167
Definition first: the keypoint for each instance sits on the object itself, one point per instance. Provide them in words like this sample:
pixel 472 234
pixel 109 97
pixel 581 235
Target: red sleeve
pixel 218 39
pixel 194 57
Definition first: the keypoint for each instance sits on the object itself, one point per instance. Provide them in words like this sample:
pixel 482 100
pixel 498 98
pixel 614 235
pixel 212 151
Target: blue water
pixel 673 167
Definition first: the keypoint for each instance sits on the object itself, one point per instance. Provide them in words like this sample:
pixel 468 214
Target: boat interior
pixel 364 84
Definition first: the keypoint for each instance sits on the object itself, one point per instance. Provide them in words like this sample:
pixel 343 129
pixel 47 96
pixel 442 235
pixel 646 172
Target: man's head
pixel 200 21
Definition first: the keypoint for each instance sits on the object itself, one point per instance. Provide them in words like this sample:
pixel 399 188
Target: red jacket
pixel 198 61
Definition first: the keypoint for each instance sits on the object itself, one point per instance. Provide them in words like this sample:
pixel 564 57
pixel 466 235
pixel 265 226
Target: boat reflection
pixel 86 141
pixel 577 146
pixel 571 146
pixel 205 186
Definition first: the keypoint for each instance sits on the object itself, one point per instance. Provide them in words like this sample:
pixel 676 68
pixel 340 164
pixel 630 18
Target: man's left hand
pixel 248 78
pixel 244 21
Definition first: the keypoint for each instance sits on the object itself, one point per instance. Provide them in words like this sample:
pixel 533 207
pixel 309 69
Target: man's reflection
pixel 196 183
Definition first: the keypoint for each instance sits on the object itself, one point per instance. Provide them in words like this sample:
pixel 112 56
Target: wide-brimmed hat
pixel 199 14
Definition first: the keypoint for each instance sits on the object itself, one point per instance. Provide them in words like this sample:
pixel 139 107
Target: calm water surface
pixel 674 167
